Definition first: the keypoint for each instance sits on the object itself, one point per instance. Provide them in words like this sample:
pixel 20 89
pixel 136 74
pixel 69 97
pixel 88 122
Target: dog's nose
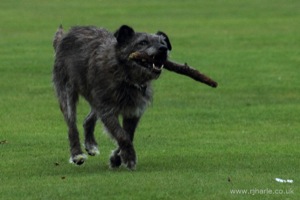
pixel 163 49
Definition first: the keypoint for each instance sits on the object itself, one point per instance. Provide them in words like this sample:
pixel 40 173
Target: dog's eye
pixel 143 42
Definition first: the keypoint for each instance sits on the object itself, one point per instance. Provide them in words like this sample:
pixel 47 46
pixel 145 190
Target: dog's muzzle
pixel 155 63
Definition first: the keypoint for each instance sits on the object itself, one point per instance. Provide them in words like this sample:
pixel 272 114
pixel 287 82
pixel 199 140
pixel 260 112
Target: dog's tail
pixel 58 36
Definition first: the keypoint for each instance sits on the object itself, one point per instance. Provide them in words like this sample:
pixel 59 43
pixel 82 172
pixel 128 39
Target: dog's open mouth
pixel 153 63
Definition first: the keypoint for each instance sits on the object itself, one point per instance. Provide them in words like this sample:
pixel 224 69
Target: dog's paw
pixel 131 165
pixel 92 150
pixel 115 161
pixel 78 159
pixel 128 158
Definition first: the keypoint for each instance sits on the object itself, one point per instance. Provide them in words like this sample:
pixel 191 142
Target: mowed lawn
pixel 194 142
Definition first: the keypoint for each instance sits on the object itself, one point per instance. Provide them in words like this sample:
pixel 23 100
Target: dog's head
pixel 155 46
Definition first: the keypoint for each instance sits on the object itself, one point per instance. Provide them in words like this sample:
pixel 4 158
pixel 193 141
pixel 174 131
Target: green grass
pixel 193 138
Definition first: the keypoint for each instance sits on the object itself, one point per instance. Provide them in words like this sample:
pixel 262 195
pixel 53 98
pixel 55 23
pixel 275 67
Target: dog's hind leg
pixel 68 99
pixel 129 125
pixel 90 143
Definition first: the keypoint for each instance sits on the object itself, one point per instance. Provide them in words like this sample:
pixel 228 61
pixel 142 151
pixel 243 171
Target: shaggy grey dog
pixel 94 63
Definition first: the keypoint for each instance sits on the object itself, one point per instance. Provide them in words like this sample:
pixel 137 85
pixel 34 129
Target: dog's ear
pixel 166 38
pixel 123 34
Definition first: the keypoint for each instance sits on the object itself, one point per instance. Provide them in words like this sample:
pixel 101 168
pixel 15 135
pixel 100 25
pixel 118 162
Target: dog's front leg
pixel 126 150
pixel 129 125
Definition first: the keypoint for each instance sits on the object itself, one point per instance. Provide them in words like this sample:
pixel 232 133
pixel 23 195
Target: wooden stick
pixel 178 68
pixel 190 72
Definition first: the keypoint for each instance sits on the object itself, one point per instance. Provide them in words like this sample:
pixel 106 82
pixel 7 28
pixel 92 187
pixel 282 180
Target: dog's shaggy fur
pixel 95 63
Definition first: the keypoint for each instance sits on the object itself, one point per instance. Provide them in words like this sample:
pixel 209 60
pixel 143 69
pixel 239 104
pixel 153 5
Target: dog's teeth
pixel 162 66
pixel 155 67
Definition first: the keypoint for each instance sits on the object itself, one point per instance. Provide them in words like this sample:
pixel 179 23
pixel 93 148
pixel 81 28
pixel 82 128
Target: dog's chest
pixel 133 100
